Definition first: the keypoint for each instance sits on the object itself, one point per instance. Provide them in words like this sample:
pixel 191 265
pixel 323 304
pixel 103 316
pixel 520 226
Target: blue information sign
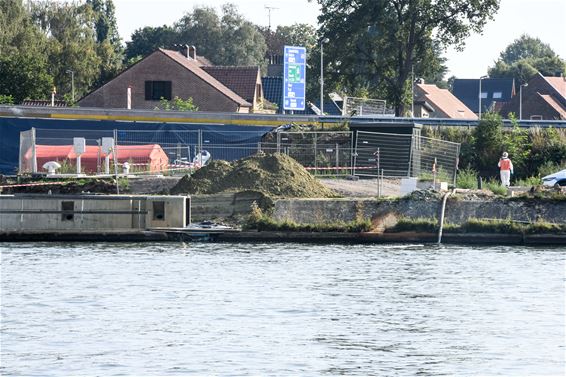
pixel 294 78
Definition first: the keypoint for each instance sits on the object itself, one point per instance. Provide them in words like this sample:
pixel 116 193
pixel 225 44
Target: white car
pixel 557 179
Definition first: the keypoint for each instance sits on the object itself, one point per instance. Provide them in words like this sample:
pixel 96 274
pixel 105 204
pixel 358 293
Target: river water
pixel 281 309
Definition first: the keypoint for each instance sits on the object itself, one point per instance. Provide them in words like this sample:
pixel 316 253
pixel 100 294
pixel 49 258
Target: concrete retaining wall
pixel 313 211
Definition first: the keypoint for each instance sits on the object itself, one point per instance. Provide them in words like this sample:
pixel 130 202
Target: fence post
pixel 315 147
pixel 353 154
pixel 456 164
pixel 278 142
pixel 33 152
pixel 115 153
pixel 337 160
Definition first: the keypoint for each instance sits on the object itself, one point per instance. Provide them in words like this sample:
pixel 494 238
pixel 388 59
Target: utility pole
pixel 269 9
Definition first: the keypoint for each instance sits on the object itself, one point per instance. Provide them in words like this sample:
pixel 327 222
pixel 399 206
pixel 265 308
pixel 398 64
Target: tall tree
pixel 148 39
pixel 379 42
pixel 72 44
pixel 23 54
pixel 526 56
pixel 109 46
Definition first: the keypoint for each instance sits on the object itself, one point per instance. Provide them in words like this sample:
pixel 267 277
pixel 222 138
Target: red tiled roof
pixel 194 67
pixel 241 80
pixel 554 104
pixel 558 83
pixel 444 102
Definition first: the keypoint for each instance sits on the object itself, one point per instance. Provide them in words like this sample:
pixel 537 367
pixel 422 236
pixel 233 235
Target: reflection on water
pixel 240 309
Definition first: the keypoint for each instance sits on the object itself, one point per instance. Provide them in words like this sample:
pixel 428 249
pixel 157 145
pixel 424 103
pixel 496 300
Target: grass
pixel 420 224
pixel 263 222
pixel 475 225
pixel 496 187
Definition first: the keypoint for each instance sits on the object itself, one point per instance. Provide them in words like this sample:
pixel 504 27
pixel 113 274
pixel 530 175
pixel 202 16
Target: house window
pixel 536 117
pixel 155 90
pixel 483 94
pixel 497 95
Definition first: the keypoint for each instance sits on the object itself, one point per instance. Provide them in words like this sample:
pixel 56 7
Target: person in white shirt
pixel 505 169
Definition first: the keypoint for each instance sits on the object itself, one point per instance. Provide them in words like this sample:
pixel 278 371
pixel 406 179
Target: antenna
pixel 269 9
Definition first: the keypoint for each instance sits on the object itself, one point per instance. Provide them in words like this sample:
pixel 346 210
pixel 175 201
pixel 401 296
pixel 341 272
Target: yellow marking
pixel 174 120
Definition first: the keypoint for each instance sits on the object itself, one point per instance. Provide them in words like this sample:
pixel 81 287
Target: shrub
pixel 467 179
pixel 420 224
pixel 495 187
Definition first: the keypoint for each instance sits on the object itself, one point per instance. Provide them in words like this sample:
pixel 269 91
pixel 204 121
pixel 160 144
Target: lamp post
pixel 322 42
pixel 479 94
pixel 521 100
pixel 72 84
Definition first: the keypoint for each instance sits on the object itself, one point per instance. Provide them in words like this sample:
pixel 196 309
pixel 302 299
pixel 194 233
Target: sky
pixel 544 19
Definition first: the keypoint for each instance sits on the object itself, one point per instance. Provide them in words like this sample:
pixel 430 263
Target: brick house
pixel 169 74
pixel 494 93
pixel 433 102
pixel 544 98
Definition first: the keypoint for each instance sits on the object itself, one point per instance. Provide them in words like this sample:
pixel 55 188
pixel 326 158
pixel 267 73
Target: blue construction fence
pixel 237 141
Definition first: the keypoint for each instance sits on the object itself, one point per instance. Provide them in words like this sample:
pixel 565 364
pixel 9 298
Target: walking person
pixel 505 169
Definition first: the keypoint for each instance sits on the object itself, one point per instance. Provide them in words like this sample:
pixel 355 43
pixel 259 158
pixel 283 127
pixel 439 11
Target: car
pixel 557 179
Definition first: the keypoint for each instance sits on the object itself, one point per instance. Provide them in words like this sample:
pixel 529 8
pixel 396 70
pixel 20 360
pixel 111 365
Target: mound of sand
pixel 275 175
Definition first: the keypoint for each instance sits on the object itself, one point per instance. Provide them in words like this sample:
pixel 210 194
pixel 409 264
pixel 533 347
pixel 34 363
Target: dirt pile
pixel 275 175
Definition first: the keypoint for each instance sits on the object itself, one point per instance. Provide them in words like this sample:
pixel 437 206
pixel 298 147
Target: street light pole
pixel 322 42
pixel 479 94
pixel 72 85
pixel 521 100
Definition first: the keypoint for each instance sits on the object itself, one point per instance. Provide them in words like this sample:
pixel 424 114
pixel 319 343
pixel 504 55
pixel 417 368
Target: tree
pixel 109 46
pixel 489 143
pixel 72 46
pixel 148 39
pixel 378 42
pixel 293 35
pixel 24 76
pixel 225 39
pixel 526 56
pixel 23 57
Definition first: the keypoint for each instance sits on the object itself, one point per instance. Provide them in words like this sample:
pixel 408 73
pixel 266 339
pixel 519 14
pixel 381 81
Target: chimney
pixel 184 49
pixel 192 52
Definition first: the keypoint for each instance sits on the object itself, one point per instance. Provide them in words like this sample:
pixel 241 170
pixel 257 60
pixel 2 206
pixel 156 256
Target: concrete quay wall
pixel 317 211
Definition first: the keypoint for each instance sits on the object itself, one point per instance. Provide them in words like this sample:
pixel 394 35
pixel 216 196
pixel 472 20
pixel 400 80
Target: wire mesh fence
pixel 322 153
pixel 171 152
pixel 394 155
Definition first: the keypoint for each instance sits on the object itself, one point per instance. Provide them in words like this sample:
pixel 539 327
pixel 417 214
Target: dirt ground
pixel 362 187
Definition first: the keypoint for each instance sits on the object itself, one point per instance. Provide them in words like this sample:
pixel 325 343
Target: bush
pixel 467 179
pixel 495 187
pixel 420 224
pixel 528 182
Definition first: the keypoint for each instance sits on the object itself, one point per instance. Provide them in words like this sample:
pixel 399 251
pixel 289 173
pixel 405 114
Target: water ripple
pixel 281 309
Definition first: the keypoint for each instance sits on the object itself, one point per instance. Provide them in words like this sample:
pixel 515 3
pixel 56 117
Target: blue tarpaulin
pixel 237 139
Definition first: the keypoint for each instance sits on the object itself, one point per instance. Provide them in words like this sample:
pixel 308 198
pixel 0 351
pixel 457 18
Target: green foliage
pixel 224 39
pixel 467 179
pixel 475 225
pixel 516 142
pixel 148 39
pixel 488 144
pixel 495 187
pixel 526 56
pixel 262 222
pixel 6 99
pixel 419 224
pixel 378 42
pixel 550 167
pixel 24 76
pixel 177 104
pixel 528 182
